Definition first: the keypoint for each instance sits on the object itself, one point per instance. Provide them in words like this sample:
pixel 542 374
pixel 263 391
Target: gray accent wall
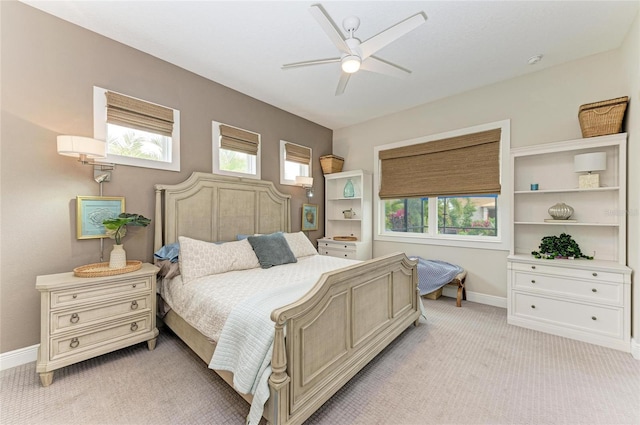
pixel 48 71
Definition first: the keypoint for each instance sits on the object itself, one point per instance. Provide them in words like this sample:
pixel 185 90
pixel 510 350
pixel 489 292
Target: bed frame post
pixel 279 380
pixel 158 220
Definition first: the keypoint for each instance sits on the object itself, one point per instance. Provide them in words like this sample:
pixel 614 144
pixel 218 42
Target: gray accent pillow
pixel 272 250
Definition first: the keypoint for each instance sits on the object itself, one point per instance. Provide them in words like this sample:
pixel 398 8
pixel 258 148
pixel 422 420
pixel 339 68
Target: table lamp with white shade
pixel 589 162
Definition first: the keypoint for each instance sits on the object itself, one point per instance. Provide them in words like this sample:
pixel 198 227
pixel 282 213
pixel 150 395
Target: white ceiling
pixel 463 45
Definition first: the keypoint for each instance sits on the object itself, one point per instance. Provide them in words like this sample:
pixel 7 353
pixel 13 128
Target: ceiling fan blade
pixel 390 35
pixel 329 28
pixel 374 64
pixel 342 84
pixel 308 63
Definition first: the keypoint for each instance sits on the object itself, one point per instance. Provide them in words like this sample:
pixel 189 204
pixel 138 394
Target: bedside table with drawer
pixel 83 317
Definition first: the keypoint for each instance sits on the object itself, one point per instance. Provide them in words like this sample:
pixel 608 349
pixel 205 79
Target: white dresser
pixel 85 317
pixel 587 300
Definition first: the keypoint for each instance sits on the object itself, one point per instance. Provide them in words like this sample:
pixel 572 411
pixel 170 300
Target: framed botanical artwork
pixel 309 217
pixel 92 211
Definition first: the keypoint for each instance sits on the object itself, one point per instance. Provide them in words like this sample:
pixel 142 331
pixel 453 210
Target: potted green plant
pixel 562 246
pixel 116 228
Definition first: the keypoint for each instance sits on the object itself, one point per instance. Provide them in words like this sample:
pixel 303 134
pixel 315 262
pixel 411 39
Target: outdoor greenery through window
pixel 130 142
pixel 237 162
pixel 461 215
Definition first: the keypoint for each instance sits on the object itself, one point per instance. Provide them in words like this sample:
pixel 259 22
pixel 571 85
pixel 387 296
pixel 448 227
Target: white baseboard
pixel 19 357
pixel 451 291
pixel 635 348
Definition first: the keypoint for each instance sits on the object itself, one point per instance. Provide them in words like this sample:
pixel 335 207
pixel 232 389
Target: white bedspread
pixel 205 303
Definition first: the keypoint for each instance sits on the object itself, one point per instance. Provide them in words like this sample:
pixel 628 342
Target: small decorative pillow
pixel 300 245
pixel 272 250
pixel 200 258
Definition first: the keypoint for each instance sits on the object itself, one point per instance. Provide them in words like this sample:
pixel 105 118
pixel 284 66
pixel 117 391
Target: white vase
pixel 118 257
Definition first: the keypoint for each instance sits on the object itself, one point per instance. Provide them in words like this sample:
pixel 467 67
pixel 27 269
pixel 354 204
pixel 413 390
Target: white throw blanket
pixel 246 343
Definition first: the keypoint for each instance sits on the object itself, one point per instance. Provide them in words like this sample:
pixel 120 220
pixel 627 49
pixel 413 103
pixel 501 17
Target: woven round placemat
pixel 102 269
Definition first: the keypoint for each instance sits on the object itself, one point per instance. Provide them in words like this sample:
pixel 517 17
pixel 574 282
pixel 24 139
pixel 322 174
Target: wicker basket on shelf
pixel 600 118
pixel 331 164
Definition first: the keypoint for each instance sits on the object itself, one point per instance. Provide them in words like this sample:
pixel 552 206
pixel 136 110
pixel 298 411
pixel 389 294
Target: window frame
pixel 500 242
pixel 100 133
pixel 215 153
pixel 285 181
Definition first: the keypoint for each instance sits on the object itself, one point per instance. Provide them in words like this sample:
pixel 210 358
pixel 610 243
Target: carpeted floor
pixel 462 366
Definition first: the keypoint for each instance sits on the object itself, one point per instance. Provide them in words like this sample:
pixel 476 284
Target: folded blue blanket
pixel 434 274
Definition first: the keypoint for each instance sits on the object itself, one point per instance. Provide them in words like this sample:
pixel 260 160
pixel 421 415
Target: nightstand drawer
pixel 78 342
pixel 589 318
pixel 571 288
pixel 341 253
pixel 61 321
pixel 82 295
pixel 570 272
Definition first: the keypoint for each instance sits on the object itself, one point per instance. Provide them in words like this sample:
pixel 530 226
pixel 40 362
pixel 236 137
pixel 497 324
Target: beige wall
pixel 49 68
pixel 542 107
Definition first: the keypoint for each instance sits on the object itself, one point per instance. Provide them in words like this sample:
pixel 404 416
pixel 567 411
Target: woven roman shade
pixel 463 165
pixel 297 153
pixel 135 113
pixel 235 139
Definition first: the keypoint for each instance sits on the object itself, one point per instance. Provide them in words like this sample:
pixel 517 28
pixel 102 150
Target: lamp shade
pixel 587 162
pixel 78 146
pixel 304 181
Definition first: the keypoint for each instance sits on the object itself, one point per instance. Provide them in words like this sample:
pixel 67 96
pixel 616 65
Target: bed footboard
pixel 348 317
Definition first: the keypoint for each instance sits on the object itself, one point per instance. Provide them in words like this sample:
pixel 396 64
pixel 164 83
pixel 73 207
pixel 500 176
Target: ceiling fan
pixel 358 55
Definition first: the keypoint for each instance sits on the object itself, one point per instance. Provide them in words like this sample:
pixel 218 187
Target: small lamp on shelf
pixel 589 162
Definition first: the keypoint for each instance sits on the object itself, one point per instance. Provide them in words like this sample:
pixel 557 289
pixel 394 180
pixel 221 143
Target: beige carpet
pixel 463 366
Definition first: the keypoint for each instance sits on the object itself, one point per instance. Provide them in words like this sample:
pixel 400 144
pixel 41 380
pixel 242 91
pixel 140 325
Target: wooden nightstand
pixel 83 318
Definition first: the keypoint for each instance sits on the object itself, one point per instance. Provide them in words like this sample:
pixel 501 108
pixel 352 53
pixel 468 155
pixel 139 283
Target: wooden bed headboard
pixel 212 207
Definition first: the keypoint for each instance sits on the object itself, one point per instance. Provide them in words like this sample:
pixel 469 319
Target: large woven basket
pixel 600 118
pixel 331 164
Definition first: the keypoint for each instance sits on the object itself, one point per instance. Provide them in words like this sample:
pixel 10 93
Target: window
pixel 445 189
pixel 236 152
pixel 295 160
pixel 137 132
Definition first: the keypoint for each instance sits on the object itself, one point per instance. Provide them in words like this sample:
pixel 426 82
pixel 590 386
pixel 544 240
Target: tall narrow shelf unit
pixel 336 225
pixel 587 300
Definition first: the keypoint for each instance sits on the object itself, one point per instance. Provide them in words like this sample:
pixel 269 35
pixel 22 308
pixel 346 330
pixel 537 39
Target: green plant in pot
pixel 562 246
pixel 116 228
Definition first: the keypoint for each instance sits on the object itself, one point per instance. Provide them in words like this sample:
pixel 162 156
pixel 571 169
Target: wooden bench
pixel 457 281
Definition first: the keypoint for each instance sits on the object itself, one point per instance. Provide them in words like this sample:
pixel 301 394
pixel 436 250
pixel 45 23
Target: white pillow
pixel 300 245
pixel 199 258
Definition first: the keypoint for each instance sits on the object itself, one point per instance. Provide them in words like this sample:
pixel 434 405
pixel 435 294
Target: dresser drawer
pixel 336 245
pixel 341 253
pixel 560 270
pixel 74 343
pixel 81 317
pixel 82 295
pixel 602 292
pixel 607 321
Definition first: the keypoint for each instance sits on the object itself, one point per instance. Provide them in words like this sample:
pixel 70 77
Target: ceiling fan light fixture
pixel 351 64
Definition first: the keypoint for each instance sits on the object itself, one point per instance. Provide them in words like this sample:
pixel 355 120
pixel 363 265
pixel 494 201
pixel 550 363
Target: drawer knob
pixel 134 326
pixel 594 274
pixel 533 306
pixel 594 318
pixel 533 281
pixel 74 318
pixel 345 246
pixel 345 255
pixel 74 296
pixel 134 305
pixel 533 267
pixel 594 290
pixel 74 343
pixel 134 285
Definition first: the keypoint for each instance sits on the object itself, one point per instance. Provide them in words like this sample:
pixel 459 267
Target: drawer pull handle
pixel 594 274
pixel 74 343
pixel 594 290
pixel 133 286
pixel 345 255
pixel 594 318
pixel 533 281
pixel 533 306
pixel 345 246
pixel 134 305
pixel 533 267
pixel 74 318
pixel 134 326
pixel 74 296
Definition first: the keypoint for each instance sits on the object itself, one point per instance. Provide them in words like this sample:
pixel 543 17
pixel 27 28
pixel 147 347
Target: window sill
pixel 496 245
